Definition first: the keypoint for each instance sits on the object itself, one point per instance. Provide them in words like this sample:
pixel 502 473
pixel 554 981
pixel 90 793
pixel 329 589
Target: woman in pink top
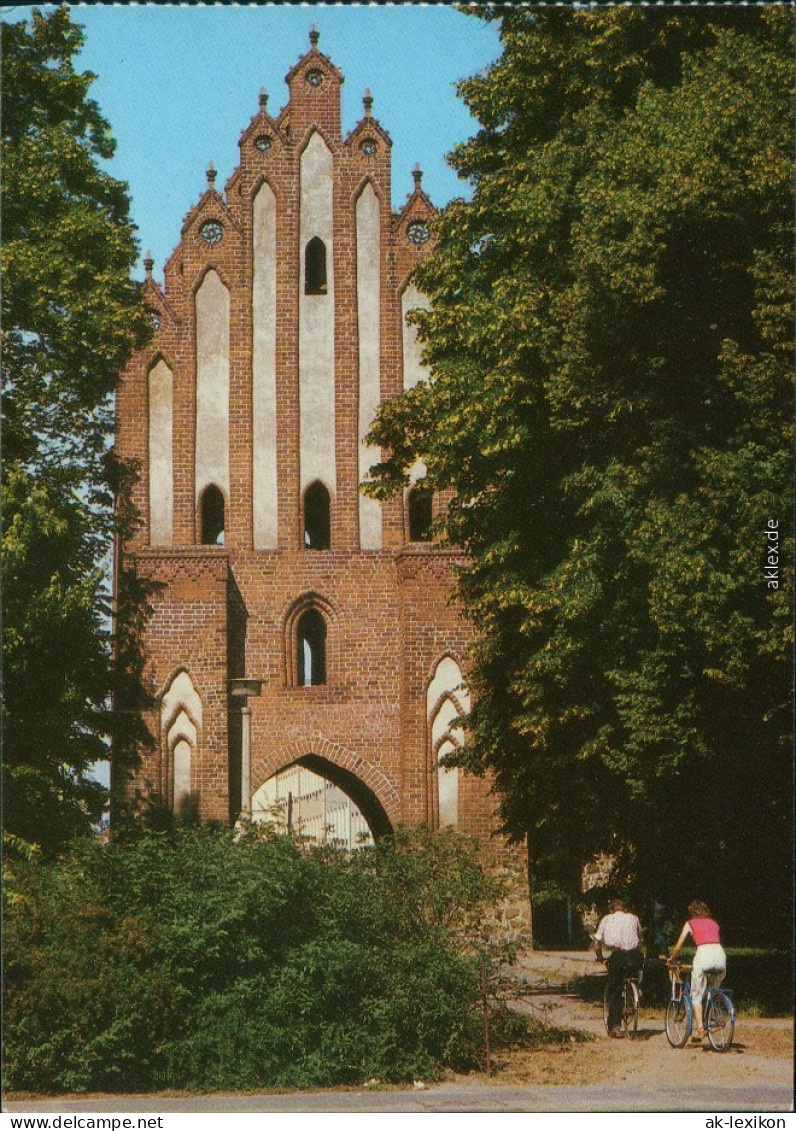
pixel 710 961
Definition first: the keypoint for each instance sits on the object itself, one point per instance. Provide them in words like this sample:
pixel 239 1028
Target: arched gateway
pixel 323 803
pixel 370 790
pixel 309 626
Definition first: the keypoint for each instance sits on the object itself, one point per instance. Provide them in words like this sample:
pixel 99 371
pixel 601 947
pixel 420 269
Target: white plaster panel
pixel 443 721
pixel 416 472
pixel 182 730
pixel 161 455
pixel 212 385
pixel 447 678
pixel 180 720
pixel 181 692
pixel 182 771
pixel 181 740
pixel 264 483
pixel 414 369
pixel 448 789
pixel 368 311
pixel 316 323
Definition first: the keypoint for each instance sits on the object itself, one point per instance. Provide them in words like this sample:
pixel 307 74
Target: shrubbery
pixel 183 959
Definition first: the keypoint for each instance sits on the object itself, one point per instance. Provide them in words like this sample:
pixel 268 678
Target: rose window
pixel 211 232
pixel 418 233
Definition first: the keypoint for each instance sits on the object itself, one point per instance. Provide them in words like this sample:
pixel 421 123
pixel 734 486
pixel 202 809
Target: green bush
pixel 182 959
pixel 86 1004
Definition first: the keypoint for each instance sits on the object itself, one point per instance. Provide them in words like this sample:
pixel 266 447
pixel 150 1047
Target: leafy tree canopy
pixel 71 315
pixel 610 406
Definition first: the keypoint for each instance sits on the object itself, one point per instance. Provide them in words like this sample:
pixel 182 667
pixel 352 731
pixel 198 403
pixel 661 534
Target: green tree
pixel 610 406
pixel 71 315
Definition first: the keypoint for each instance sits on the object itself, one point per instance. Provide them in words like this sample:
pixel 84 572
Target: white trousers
pixel 710 962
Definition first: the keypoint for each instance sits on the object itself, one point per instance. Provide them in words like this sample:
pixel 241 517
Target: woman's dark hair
pixel 698 909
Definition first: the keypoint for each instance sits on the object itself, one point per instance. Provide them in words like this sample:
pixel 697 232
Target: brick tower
pixel 295 622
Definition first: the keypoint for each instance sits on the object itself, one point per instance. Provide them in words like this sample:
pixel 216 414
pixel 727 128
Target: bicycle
pixel 718 1012
pixel 631 995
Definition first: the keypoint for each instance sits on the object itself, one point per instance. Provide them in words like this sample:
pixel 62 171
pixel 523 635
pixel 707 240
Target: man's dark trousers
pixel 620 963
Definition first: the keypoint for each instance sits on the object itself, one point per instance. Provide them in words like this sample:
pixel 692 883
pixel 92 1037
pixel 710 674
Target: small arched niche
pixel 212 516
pixel 315 267
pixel 317 517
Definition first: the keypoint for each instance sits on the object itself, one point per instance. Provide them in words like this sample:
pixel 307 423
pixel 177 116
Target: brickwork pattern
pixel 223 612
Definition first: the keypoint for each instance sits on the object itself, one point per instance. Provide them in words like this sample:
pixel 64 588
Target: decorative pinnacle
pixel 211 174
pixel 417 173
pixel 314 35
pixel 367 102
pixel 149 263
pixel 263 97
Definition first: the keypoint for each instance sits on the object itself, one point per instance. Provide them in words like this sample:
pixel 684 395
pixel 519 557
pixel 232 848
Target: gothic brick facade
pixel 281 325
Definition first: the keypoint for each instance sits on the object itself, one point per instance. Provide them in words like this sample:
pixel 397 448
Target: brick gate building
pixel 281 326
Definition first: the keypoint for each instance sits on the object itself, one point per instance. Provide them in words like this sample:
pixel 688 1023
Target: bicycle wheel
pixel 630 1009
pixel 605 1008
pixel 678 1023
pixel 719 1021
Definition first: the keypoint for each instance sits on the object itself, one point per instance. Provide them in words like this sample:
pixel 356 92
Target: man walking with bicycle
pixel 619 933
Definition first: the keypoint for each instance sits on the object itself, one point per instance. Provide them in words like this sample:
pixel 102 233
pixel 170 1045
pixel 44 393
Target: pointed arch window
pixel 317 517
pixel 419 514
pixel 315 267
pixel 211 510
pixel 311 649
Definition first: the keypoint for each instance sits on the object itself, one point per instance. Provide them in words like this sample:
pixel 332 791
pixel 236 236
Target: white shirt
pixel 620 930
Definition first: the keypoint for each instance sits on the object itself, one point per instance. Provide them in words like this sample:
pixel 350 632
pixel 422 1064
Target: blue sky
pixel 179 83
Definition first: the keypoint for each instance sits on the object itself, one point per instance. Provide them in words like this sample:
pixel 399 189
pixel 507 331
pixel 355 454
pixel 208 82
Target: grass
pixel 761 981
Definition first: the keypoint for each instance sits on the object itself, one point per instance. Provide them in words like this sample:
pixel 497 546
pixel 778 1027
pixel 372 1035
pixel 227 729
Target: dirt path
pixel 762 1050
